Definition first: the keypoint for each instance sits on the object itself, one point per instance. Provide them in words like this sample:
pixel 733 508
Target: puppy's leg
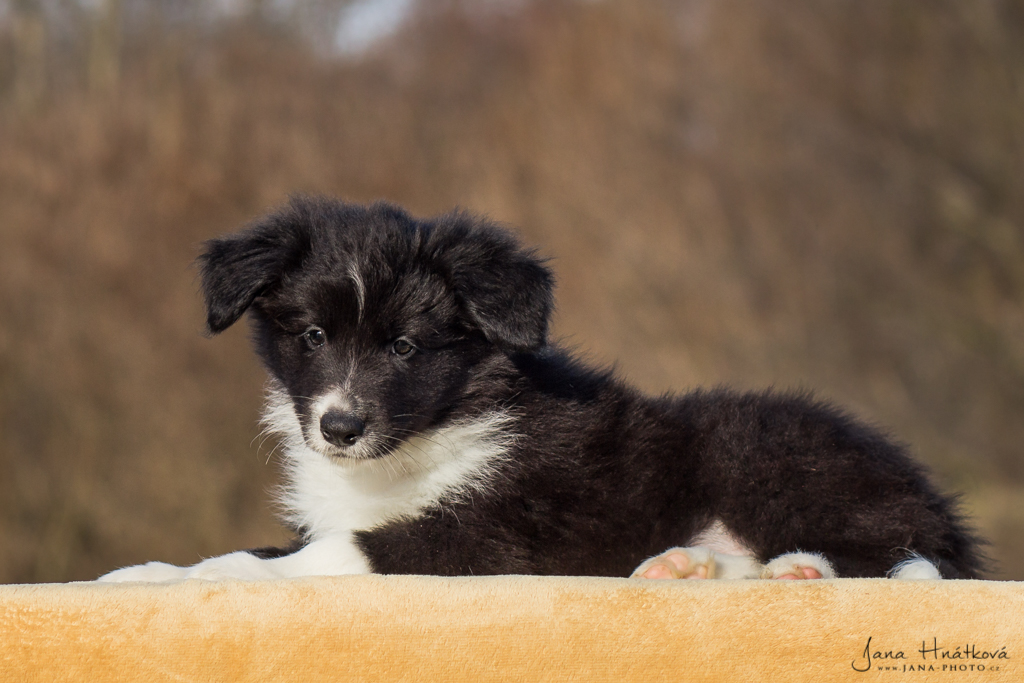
pixel 697 563
pixel 328 556
pixel 798 565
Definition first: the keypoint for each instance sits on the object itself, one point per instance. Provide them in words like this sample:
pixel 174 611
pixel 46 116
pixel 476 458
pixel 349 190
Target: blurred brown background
pixel 797 193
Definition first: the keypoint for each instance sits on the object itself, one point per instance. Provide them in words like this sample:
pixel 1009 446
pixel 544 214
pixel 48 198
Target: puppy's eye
pixel 315 337
pixel 402 347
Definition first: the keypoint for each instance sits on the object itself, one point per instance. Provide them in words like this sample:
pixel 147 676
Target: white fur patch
pixel 718 538
pixel 336 400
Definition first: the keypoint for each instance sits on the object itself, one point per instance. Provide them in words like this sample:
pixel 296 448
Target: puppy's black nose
pixel 341 429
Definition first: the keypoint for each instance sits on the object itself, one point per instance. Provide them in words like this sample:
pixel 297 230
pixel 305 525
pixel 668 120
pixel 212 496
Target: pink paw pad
pixel 805 573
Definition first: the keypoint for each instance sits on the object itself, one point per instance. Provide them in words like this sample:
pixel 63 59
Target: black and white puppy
pixel 428 427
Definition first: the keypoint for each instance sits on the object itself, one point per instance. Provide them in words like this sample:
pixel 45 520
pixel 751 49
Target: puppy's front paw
pixel 798 566
pixel 240 565
pixel 151 572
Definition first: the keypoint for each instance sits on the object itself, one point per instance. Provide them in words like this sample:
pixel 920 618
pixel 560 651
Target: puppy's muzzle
pixel 341 429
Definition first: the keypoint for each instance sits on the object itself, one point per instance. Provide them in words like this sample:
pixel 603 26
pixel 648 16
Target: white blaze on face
pixel 339 400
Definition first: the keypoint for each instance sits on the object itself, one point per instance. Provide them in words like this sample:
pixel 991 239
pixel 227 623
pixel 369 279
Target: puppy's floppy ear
pixel 238 268
pixel 505 290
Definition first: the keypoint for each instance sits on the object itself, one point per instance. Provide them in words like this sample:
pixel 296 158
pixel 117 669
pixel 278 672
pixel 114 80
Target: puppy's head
pixel 376 324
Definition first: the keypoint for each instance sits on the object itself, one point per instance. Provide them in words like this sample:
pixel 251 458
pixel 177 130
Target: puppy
pixel 428 427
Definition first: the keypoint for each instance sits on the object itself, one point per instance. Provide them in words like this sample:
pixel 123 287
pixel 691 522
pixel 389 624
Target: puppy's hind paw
pixel 678 563
pixel 697 563
pixel 798 566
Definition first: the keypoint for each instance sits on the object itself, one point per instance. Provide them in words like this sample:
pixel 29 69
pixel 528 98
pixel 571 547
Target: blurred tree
pixel 29 33
pixel 105 47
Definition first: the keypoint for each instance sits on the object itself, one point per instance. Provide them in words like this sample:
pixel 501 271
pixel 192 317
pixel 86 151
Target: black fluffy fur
pixel 599 476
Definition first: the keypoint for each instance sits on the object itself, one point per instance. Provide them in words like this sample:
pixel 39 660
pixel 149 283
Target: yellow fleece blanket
pixel 514 628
